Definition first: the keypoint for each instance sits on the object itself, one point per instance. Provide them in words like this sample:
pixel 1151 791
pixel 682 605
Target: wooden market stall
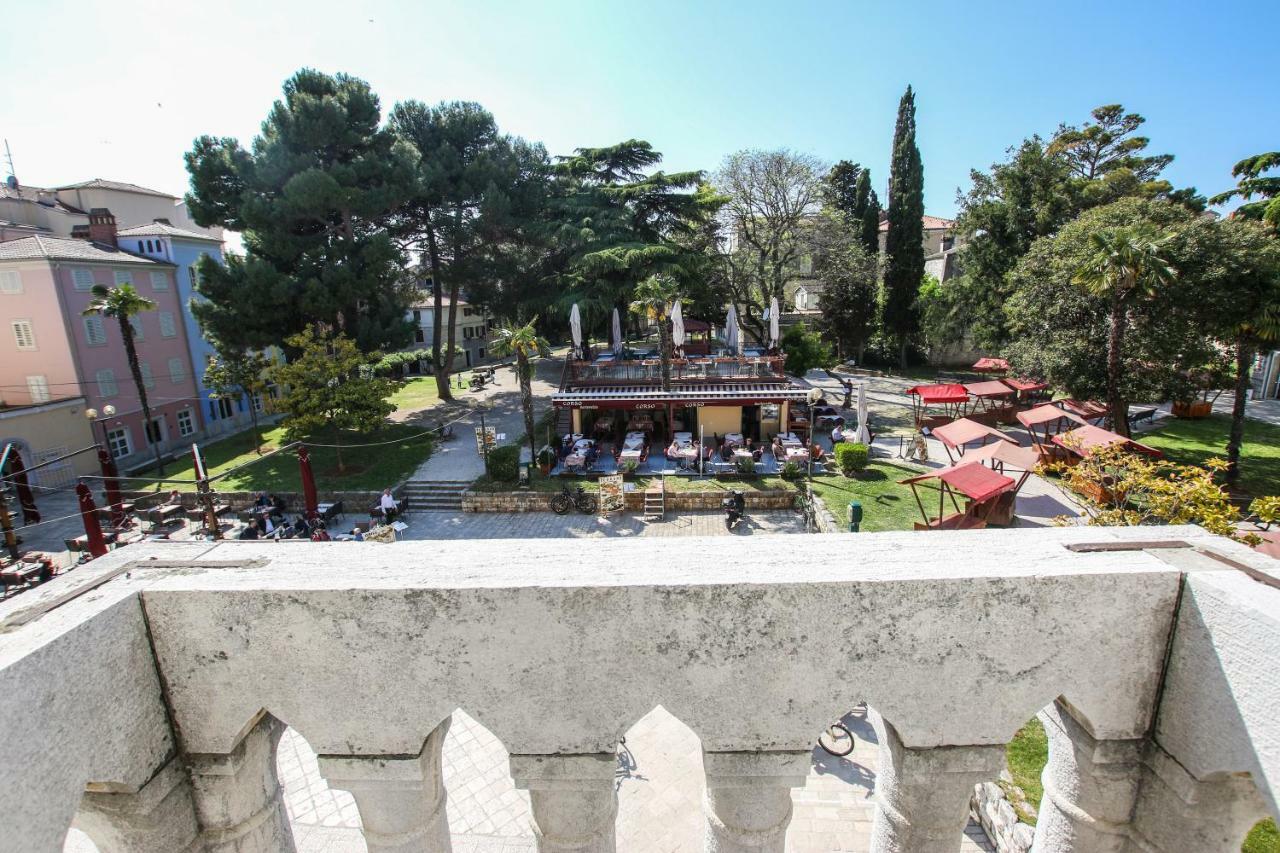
pixel 1043 423
pixel 972 489
pixel 948 399
pixel 1030 392
pixel 961 433
pixel 991 365
pixel 993 401
pixel 1009 460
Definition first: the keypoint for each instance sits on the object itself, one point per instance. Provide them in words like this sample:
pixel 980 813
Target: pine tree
pixel 904 246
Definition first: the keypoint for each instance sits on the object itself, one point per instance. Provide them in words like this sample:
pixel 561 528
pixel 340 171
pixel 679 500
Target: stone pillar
pixel 1090 786
pixel 159 816
pixel 748 802
pixel 237 795
pixel 401 798
pixel 1177 812
pixel 574 800
pixel 922 795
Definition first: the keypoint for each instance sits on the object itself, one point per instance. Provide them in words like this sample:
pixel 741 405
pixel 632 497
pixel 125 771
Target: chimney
pixel 102 226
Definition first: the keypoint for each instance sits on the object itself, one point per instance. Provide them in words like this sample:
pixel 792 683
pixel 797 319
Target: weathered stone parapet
pixel 401 798
pixel 159 816
pixel 1090 786
pixel 922 795
pixel 237 795
pixel 573 798
pixel 748 800
pixel 1177 812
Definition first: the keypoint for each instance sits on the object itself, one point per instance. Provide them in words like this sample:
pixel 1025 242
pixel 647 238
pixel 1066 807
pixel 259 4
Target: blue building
pixel 184 247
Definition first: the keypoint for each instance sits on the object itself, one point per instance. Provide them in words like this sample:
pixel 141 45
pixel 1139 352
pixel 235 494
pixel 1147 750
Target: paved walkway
pixel 544 525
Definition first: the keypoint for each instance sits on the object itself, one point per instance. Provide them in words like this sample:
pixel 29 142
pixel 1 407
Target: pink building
pixel 50 351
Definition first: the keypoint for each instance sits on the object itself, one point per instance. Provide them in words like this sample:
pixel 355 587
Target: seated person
pixel 262 500
pixel 818 453
pixel 672 450
pixel 175 498
pixel 726 452
pixel 278 507
pixel 250 531
pixel 387 504
pixel 837 432
pixel 301 529
pixel 319 534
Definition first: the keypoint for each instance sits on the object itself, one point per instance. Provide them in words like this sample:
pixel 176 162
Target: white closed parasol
pixel 862 434
pixel 774 337
pixel 732 337
pixel 575 327
pixel 617 333
pixel 677 325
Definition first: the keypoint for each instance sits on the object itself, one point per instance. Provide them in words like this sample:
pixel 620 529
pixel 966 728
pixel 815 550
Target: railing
pixel 700 370
pixel 1152 664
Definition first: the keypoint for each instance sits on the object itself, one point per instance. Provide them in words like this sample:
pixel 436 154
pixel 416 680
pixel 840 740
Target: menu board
pixel 611 494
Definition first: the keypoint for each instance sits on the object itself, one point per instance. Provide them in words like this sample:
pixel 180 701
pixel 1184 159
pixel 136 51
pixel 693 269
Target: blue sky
pixel 120 90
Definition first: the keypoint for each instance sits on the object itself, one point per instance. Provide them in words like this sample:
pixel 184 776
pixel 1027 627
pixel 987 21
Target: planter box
pixel 1192 410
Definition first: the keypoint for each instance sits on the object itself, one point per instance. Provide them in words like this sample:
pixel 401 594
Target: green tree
pixel 904 245
pixel 1108 158
pixel 473 189
pixel 805 350
pixel 850 279
pixel 122 303
pixel 1254 180
pixel 653 299
pixel 234 374
pixel 525 344
pixel 331 386
pixel 1125 264
pixel 311 199
pixel 848 190
pixel 771 196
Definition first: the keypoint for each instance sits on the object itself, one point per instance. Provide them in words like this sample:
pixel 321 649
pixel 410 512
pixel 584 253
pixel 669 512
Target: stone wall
pixel 355 503
pixel 991 808
pixel 678 501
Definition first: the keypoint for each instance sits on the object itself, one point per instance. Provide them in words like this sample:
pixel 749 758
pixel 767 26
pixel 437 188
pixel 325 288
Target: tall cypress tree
pixel 904 247
pixel 848 190
pixel 868 213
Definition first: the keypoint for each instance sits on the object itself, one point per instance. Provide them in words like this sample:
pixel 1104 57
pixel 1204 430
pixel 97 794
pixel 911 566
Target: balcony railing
pixel 143 694
pixel 708 369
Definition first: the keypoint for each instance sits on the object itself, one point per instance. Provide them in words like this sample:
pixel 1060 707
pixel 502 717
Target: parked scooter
pixel 735 509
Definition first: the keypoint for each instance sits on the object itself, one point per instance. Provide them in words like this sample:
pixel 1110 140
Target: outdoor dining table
pixel 797 453
pixel 742 453
pixel 633 441
pixel 733 438
pixel 165 513
pixel 683 436
pixel 789 437
pixel 632 453
pixel 575 460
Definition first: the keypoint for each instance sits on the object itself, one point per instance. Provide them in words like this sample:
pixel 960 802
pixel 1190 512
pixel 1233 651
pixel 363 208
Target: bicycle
pixel 569 499
pixel 836 740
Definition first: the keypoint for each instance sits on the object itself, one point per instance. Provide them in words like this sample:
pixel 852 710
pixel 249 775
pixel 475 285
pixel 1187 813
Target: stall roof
pixel 962 431
pixel 990 388
pixel 972 479
pixel 990 365
pixel 1015 455
pixel 1088 410
pixel 1088 438
pixel 1048 413
pixel 1024 384
pixel 943 393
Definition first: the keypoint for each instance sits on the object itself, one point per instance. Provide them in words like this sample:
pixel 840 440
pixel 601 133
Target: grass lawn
pixel 886 505
pixel 1190 442
pixel 418 393
pixel 366 467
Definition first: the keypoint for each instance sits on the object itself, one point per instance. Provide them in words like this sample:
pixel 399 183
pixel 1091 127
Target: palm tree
pixel 524 343
pixel 1126 263
pixel 123 303
pixel 653 298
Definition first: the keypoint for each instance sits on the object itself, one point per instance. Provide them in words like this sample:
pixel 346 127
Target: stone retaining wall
pixel 354 502
pixel 991 808
pixel 680 501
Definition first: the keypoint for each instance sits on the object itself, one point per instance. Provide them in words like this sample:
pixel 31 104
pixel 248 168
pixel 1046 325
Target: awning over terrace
pixel 632 397
pixel 1084 440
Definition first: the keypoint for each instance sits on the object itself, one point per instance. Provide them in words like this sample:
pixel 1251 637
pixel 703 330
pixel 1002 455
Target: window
pixel 167 328
pixel 419 336
pixel 195 280
pixel 10 282
pixel 107 383
pixel 148 381
pixel 23 335
pixel 159 280
pixel 177 371
pixel 94 331
pixel 257 403
pixel 417 316
pixel 118 441
pixel 82 279
pixel 224 408
pixel 136 322
pixel 124 277
pixel 159 246
pixel 141 246
pixel 155 431
pixel 466 333
pixel 482 353
pixel 186 423
pixel 148 245
pixel 38 388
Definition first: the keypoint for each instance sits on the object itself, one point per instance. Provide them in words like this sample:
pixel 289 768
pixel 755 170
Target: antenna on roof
pixel 12 180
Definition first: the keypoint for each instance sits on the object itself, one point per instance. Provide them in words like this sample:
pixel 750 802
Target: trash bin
pixel 855 516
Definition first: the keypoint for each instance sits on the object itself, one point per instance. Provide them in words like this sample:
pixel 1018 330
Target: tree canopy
pixel 904 244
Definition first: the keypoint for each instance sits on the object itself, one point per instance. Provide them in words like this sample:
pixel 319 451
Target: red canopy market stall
pixel 1030 391
pixel 1084 440
pixel 978 486
pixel 964 431
pixel 950 398
pixel 991 365
pixel 992 401
pixel 1089 410
pixel 1003 458
pixel 1043 423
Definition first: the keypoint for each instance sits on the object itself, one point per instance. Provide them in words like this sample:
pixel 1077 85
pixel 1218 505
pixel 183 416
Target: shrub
pixel 746 465
pixel 628 467
pixel 851 457
pixel 790 471
pixel 504 463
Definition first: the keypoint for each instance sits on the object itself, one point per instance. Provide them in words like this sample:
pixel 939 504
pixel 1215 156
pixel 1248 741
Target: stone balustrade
pixel 144 693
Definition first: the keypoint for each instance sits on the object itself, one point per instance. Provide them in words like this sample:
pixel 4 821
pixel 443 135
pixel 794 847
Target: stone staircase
pixel 435 495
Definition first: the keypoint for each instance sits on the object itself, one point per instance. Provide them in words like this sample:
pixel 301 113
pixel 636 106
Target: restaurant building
pixel 709 395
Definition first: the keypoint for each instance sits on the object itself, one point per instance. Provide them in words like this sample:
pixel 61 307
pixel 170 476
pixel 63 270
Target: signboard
pixel 611 494
pixel 486 437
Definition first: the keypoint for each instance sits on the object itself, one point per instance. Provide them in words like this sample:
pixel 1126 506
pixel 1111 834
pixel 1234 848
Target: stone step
pixel 434 490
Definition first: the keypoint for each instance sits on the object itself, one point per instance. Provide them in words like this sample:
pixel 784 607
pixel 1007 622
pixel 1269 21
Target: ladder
pixel 655 503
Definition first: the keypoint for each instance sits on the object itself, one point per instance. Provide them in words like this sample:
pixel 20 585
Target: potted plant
pixel 1194 391
pixel 628 468
pixel 546 460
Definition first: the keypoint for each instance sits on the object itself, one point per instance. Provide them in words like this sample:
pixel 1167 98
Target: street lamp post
pixel 108 412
